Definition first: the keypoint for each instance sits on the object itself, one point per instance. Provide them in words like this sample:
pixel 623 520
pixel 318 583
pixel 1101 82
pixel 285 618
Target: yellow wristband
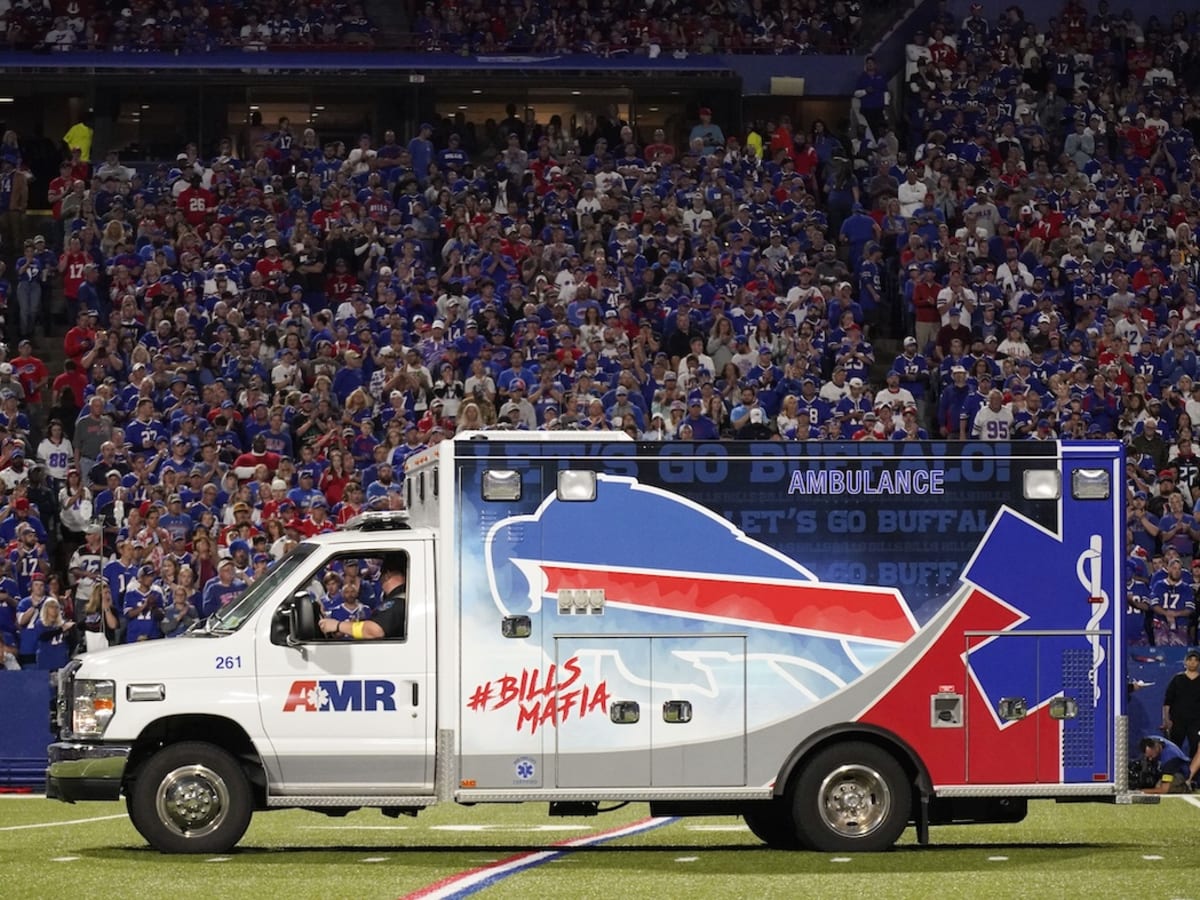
pixel 356 630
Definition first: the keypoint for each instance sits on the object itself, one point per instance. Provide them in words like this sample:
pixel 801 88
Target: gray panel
pixel 627 761
pixel 356 774
pixel 332 800
pixel 678 759
pixel 615 764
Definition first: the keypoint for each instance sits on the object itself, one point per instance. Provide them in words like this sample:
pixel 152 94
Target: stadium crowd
pixel 610 28
pixel 155 26
pixel 259 343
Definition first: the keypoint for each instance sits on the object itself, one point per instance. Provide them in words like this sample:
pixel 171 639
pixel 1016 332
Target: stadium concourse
pixel 258 342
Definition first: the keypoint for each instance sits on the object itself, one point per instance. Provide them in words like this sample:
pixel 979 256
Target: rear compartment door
pixel 1048 724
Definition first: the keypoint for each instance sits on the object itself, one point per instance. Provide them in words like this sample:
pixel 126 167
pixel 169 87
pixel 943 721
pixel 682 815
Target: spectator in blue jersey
pixel 180 614
pixel 221 590
pixel 1177 529
pixel 700 427
pixel 1174 603
pixel 57 637
pixel 27 557
pixel 29 620
pixel 870 89
pixel 143 606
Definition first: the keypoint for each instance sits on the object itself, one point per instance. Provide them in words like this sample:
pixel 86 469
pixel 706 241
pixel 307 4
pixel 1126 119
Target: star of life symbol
pixel 317 697
pixel 524 768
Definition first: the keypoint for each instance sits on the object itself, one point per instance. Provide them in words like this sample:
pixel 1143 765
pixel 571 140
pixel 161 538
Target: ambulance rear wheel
pixel 851 797
pixel 772 823
pixel 191 797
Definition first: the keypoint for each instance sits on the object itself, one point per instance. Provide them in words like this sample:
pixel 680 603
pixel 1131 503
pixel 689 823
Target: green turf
pixel 1068 851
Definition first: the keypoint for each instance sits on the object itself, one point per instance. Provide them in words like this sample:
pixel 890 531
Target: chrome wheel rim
pixel 854 800
pixel 192 801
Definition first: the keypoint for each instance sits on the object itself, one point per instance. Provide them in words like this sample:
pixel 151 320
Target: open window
pixel 358 587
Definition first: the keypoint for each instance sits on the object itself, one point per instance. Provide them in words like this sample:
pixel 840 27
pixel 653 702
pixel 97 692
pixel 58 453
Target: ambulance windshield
pixel 230 617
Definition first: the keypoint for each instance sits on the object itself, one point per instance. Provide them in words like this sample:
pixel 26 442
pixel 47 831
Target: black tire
pixel 852 797
pixel 133 817
pixel 191 797
pixel 772 823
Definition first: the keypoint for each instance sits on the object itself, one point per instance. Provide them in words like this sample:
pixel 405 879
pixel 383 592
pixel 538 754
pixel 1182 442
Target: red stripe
pixel 458 876
pixel 841 610
pixel 565 842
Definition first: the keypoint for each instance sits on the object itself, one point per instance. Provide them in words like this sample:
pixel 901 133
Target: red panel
pixel 1007 756
pixel 839 610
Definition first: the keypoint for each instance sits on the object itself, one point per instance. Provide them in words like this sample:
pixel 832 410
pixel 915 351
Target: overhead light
pixel 653 109
pixel 253 106
pixel 145 106
pixel 7 100
pixel 477 91
pixel 462 107
pixel 576 93
pixel 317 108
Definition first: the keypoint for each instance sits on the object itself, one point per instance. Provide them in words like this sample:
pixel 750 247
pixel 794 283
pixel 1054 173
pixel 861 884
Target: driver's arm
pixel 369 630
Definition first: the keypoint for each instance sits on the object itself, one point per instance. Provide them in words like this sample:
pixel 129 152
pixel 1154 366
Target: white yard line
pixel 61 824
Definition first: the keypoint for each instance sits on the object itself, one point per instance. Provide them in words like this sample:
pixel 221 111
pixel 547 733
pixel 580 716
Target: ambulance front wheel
pixel 851 797
pixel 191 797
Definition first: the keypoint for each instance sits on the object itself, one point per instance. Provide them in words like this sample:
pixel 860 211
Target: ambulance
pixel 834 641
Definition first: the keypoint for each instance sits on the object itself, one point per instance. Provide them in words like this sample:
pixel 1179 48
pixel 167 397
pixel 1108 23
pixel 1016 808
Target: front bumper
pixel 86 771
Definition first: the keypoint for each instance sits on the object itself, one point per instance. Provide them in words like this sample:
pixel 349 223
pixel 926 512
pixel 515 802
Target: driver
pixel 391 614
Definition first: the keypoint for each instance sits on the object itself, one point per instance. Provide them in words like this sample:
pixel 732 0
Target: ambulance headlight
pixel 578 486
pixel 1042 484
pixel 1090 484
pixel 93 704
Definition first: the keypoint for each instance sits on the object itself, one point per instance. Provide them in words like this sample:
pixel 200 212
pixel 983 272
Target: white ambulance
pixel 833 640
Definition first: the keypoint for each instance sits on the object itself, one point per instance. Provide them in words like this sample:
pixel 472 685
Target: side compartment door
pixel 698 711
pixel 355 717
pixel 603 739
pixel 1049 721
pixel 667 711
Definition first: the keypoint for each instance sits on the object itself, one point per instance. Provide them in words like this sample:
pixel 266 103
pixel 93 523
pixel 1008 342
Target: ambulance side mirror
pixel 295 622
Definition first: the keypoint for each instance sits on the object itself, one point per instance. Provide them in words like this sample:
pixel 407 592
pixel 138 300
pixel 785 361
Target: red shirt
pixel 308 527
pixel 31 372
pixel 269 268
pixel 78 342
pixel 77 381
pixel 73 273
pixel 62 187
pixel 196 203
pixel 250 460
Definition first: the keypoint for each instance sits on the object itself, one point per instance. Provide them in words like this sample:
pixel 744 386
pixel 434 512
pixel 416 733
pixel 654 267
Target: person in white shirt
pixel 911 193
pixel 1014 276
pixel 1014 345
pixel 893 395
pixel 836 389
pixel 696 214
pixel 994 421
pixel 956 295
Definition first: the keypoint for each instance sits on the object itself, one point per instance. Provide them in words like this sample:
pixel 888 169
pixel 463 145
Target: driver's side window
pixel 355 588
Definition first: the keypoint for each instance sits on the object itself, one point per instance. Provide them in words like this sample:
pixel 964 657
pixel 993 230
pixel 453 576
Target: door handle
pixel 416 694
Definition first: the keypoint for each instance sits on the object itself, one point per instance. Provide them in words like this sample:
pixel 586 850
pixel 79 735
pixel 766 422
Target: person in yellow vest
pixel 79 137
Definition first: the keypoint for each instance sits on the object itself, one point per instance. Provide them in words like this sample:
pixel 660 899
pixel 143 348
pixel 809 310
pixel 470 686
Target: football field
pixel 91 850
